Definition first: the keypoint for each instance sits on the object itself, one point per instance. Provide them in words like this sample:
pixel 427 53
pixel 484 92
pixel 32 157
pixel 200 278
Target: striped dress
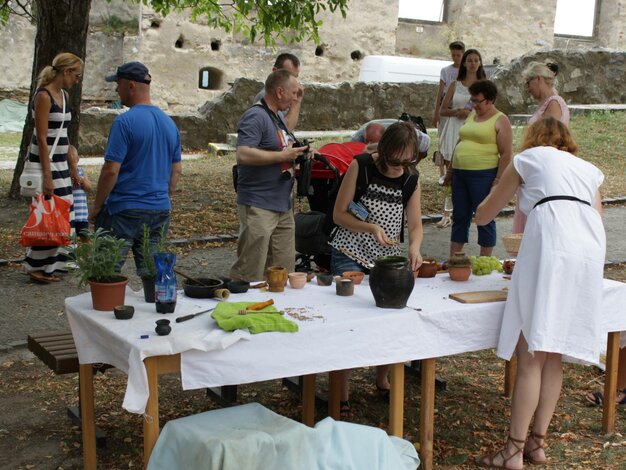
pixel 53 258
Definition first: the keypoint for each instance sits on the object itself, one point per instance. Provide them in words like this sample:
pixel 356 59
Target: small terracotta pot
pixel 356 276
pixel 276 278
pixel 508 265
pixel 344 287
pixel 105 296
pixel 428 269
pixel 459 273
pixel 297 280
pixel 324 279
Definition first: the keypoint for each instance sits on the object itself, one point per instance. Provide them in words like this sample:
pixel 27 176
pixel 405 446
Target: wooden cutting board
pixel 478 297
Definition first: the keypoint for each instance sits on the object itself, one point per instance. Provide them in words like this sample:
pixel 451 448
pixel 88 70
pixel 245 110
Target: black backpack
pixel 366 163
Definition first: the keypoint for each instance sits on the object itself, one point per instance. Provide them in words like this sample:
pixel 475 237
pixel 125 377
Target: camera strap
pixel 278 122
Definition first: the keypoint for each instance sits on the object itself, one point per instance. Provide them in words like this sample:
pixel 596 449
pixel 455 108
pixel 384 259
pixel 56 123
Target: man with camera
pixel 265 168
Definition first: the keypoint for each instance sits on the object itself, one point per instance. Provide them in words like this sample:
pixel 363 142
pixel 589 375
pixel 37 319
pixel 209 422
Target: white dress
pixel 556 291
pixel 450 131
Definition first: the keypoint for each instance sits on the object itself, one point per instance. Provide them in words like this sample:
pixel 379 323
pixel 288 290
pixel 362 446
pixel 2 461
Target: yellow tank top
pixel 477 148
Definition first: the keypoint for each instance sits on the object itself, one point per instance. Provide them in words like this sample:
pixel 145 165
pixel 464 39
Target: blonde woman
pixel 540 80
pixel 555 297
pixel 52 117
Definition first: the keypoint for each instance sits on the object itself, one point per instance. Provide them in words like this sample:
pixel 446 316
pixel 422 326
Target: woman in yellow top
pixel 483 152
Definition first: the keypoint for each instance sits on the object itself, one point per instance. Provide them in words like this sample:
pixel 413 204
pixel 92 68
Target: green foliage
pixel 113 24
pixel 97 258
pixel 148 249
pixel 287 20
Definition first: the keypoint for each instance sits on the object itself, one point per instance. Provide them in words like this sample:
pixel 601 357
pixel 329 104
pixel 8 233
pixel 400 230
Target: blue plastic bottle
pixel 165 283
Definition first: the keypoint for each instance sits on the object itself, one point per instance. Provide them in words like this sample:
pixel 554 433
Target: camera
pixel 301 160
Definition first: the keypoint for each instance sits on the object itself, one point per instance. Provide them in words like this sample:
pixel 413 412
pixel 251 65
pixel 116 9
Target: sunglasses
pixel 475 101
pixel 404 163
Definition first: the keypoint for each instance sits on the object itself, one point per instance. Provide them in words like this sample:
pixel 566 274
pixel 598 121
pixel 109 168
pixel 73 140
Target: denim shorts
pixel 340 263
pixel 128 225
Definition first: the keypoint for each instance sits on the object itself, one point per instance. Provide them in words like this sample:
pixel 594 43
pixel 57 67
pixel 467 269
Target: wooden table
pixel 426 333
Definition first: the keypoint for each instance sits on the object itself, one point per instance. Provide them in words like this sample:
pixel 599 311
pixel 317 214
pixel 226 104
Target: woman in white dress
pixel 553 307
pixel 456 106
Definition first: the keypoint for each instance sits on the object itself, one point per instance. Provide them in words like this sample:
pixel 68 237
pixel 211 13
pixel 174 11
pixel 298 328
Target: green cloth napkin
pixel 226 314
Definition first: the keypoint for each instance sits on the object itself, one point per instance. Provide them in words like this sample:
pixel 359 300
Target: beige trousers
pixel 266 238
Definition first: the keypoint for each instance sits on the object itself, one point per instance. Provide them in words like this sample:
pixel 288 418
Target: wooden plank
pixel 396 400
pixel 478 297
pixel 87 415
pixel 427 414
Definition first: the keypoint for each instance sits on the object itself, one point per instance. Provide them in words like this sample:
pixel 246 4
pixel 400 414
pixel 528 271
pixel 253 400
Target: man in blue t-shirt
pixel 265 156
pixel 142 165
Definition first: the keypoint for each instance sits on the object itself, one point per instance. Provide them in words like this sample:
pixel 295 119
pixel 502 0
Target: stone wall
pixel 585 78
pixel 176 48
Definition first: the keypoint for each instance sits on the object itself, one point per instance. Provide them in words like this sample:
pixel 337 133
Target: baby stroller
pixel 328 166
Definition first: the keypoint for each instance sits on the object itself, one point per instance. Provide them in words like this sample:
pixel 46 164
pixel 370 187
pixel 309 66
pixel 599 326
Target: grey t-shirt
pixel 261 186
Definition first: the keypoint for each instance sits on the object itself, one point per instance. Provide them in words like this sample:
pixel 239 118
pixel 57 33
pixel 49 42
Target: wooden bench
pixel 57 350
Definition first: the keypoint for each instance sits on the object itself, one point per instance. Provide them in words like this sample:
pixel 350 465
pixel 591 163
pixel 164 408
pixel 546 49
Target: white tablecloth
pixel 335 333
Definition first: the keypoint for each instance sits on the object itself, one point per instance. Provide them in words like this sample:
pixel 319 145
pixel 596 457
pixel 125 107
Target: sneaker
pixel 441 180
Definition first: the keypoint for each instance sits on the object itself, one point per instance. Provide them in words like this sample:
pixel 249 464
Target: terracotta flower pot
pixel 105 296
pixel 459 273
pixel 428 269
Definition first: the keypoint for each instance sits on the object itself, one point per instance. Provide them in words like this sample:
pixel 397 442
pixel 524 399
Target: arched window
pixel 210 78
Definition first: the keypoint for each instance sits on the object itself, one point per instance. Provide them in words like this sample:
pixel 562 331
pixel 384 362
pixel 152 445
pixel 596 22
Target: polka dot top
pixel 383 200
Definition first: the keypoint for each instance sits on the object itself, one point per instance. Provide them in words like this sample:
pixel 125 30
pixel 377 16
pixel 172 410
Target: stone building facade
pixel 177 49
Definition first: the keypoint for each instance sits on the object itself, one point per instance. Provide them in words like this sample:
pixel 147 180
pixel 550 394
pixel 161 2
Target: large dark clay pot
pixel 391 281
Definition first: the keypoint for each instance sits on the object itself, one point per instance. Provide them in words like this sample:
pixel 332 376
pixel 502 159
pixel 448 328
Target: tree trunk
pixel 61 27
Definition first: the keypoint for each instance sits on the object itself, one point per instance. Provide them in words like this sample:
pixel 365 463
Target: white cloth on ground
pixel 252 437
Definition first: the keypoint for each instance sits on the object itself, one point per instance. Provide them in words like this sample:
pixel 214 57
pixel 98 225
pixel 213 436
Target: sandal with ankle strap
pixel 528 455
pixel 488 460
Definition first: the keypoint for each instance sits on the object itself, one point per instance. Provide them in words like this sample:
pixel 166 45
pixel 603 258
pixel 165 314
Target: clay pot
pixel 324 279
pixel 428 269
pixel 391 281
pixel 297 280
pixel 105 296
pixel 344 287
pixel 356 276
pixel 508 265
pixel 163 327
pixel 205 290
pixel 276 277
pixel 124 312
pixel 459 273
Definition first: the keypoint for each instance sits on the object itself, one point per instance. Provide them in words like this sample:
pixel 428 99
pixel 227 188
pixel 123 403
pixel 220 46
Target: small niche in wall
pixel 210 78
pixel 180 42
pixel 216 44
pixel 356 55
pixel 319 50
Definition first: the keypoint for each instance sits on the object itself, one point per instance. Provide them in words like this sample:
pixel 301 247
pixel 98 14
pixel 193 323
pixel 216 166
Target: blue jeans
pixel 469 188
pixel 128 225
pixel 340 263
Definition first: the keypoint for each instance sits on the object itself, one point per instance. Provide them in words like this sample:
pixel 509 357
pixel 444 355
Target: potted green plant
pixel 459 267
pixel 148 267
pixel 96 262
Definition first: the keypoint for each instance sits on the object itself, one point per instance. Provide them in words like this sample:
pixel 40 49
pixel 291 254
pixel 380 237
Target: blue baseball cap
pixel 135 71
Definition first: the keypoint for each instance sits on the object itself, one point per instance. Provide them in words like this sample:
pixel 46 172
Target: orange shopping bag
pixel 48 223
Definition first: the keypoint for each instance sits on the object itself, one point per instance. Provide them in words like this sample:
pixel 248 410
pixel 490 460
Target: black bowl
pixel 237 287
pixel 197 291
pixel 124 312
